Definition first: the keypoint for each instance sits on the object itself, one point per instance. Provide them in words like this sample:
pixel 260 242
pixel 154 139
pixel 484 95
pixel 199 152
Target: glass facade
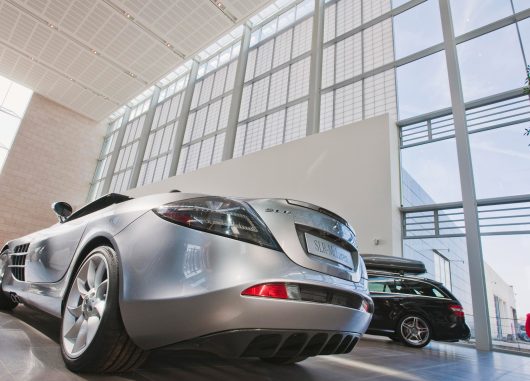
pixel 378 57
pixel 14 99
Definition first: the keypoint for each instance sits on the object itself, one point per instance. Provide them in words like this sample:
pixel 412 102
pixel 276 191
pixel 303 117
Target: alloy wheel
pixel 415 330
pixel 85 305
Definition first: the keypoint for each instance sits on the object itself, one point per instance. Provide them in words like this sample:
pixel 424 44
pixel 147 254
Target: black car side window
pixel 421 289
pixel 383 284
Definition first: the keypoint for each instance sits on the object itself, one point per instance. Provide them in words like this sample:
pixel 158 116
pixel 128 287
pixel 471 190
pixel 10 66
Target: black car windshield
pixel 100 203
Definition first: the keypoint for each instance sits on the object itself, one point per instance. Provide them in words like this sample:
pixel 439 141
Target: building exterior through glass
pixel 422 62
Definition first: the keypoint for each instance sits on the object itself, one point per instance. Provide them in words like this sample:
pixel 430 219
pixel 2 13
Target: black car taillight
pixel 457 310
pixel 221 216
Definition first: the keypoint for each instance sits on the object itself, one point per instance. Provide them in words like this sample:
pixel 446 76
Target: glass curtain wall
pixel 379 56
pixel 14 99
pixel 492 45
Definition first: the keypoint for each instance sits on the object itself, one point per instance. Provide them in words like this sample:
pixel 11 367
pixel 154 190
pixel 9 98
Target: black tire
pixel 110 350
pixel 283 360
pixel 416 337
pixel 6 304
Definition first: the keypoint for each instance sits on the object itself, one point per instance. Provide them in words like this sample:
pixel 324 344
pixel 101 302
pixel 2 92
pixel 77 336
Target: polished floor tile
pixel 29 350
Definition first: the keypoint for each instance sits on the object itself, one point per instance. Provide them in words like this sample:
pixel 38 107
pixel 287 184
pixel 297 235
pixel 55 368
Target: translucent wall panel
pixel 102 166
pixel 157 157
pixel 417 28
pixel 282 126
pixel 375 8
pixel 491 63
pixel 127 155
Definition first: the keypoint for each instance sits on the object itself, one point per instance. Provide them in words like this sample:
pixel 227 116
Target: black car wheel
pixel 6 303
pixel 414 331
pixel 93 338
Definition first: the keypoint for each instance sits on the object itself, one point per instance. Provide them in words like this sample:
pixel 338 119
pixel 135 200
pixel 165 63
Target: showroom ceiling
pixel 94 56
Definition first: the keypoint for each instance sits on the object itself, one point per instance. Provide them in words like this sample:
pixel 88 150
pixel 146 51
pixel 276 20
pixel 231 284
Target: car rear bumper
pixel 266 343
pixel 185 284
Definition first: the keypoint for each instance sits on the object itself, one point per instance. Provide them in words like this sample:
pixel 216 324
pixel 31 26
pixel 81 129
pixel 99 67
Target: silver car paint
pixel 178 283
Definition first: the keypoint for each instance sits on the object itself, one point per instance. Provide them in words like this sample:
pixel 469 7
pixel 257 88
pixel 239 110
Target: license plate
pixel 325 249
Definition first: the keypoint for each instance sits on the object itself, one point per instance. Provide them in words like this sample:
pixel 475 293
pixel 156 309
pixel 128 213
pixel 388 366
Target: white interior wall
pixel 352 170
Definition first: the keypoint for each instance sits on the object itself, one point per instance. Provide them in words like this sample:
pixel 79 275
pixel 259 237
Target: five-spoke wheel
pixel 85 305
pixel 414 331
pixel 93 338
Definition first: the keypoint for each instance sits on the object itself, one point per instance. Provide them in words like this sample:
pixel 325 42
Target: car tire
pixel 93 338
pixel 6 304
pixel 283 360
pixel 414 331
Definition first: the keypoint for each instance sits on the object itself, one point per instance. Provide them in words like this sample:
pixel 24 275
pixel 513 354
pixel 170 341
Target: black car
pixel 411 309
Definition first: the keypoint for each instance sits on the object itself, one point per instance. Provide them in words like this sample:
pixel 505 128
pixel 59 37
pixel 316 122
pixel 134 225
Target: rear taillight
pixel 222 216
pixel 457 310
pixel 274 290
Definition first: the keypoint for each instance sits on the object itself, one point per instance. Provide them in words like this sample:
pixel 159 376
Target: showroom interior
pixel 408 118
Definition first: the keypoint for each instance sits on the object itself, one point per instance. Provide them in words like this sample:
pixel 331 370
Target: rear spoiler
pixel 393 264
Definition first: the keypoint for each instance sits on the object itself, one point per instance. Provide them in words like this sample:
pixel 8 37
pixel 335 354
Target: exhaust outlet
pixel 15 298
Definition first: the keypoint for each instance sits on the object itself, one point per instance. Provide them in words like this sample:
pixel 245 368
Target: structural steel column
pixel 315 73
pixel 116 152
pixel 144 137
pixel 469 199
pixel 235 105
pixel 183 119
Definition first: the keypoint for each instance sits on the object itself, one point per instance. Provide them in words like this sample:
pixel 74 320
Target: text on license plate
pixel 325 249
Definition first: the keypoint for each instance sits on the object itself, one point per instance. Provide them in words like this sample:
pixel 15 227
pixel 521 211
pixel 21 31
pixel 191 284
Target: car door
pixel 387 301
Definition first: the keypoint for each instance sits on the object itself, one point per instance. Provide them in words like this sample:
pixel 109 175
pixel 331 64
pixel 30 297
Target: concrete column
pixel 235 105
pixel 144 137
pixel 116 152
pixel 183 119
pixel 469 199
pixel 315 73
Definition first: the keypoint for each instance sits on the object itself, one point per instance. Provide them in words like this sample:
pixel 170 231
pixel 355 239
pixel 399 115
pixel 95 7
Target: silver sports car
pixel 276 279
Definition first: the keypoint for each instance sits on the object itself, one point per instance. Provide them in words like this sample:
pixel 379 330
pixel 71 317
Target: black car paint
pixel 389 308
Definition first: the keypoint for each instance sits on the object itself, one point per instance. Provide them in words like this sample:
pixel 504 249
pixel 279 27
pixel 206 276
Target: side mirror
pixel 62 209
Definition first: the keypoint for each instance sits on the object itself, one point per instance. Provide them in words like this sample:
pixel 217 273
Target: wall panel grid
pixel 127 155
pixel 157 157
pixel 102 166
pixel 208 118
pixel 281 126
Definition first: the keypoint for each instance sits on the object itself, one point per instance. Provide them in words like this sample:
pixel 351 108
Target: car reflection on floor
pixel 29 350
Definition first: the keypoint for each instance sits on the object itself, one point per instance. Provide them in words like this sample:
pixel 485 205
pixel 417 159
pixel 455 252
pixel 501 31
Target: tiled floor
pixel 29 350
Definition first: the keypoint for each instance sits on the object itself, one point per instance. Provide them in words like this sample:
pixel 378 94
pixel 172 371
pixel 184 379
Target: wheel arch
pixel 416 312
pixel 95 241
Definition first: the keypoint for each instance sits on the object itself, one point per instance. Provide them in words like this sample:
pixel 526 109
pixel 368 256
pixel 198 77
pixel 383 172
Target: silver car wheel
pixel 415 330
pixel 85 305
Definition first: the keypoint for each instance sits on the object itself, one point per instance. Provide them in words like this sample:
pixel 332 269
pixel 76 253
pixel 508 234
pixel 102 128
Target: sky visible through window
pixel 14 99
pixel 490 64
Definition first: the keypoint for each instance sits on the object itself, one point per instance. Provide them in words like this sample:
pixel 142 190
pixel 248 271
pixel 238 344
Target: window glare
pixel 14 100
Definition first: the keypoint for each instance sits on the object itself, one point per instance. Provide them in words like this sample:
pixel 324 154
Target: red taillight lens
pixel 457 310
pixel 272 290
